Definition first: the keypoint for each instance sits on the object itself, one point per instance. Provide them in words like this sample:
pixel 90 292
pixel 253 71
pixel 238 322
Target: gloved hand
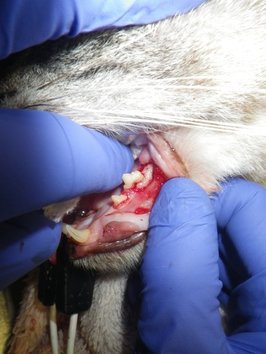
pixel 24 23
pixel 189 269
pixel 46 158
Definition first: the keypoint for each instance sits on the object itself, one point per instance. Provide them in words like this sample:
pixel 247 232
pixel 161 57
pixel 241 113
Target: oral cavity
pixel 106 222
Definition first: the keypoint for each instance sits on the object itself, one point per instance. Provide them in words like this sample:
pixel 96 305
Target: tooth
pixel 130 179
pixel 80 236
pixel 148 174
pixel 135 151
pixel 117 199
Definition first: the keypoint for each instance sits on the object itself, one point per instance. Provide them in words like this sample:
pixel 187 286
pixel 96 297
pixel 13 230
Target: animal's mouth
pixel 117 220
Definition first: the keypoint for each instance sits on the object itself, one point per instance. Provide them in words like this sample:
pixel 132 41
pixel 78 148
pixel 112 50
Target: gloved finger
pixel 240 212
pixel 25 23
pixel 46 158
pixel 180 310
pixel 26 242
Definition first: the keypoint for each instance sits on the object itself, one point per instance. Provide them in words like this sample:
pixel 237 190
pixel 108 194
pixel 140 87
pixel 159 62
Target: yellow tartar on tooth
pixel 79 236
pixel 130 179
pixel 148 175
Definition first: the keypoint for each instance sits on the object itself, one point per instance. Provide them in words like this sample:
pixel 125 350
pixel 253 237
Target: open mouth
pixel 117 220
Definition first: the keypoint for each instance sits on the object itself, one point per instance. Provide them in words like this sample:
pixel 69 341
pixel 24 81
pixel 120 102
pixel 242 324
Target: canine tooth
pixel 80 236
pixel 130 179
pixel 135 151
pixel 117 199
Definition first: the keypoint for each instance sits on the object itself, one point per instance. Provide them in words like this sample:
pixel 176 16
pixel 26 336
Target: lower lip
pixel 77 251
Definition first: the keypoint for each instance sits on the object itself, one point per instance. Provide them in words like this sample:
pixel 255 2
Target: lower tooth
pixel 80 236
pixel 117 199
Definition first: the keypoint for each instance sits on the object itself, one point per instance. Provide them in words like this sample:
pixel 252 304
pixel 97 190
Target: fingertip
pixel 178 201
pixel 113 160
pixel 240 213
pixel 182 219
pixel 182 185
pixel 240 187
pixel 236 195
pixel 122 154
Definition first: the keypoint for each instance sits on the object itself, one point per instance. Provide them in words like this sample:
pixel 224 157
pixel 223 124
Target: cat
pixel 197 80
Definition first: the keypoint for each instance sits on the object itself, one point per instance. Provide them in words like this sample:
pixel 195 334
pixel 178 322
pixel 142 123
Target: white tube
pixel 53 330
pixel 72 329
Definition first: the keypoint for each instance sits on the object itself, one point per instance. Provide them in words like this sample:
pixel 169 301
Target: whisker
pixel 171 116
pixel 103 120
pixel 180 118
pixel 221 78
pixel 155 86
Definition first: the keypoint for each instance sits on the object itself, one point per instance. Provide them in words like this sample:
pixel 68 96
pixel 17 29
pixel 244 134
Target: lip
pixel 77 251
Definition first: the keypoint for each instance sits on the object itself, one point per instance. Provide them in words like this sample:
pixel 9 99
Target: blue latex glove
pixel 46 158
pixel 24 23
pixel 184 275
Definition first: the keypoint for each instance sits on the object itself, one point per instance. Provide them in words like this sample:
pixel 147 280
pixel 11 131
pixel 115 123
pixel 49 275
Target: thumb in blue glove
pixel 44 159
pixel 180 272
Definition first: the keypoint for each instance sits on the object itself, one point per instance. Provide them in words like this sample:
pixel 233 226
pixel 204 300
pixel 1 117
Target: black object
pixel 69 287
pixel 74 285
pixel 47 283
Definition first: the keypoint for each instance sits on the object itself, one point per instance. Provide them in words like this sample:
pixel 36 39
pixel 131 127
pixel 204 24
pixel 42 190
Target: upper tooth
pixel 136 150
pixel 80 236
pixel 148 174
pixel 130 179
